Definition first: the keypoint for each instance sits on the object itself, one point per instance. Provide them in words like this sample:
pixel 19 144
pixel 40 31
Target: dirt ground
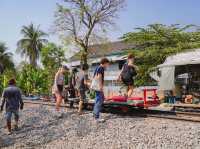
pixel 41 128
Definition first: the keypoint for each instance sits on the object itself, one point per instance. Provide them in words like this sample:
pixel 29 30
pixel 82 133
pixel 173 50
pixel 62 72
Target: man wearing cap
pixel 13 100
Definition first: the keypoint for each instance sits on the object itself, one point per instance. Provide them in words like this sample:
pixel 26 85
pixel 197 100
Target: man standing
pixel 128 73
pixel 72 86
pixel 13 100
pixel 83 84
pixel 99 74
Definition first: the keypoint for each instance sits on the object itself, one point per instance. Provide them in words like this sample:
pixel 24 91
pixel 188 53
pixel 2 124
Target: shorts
pixel 129 82
pixel 60 88
pixel 83 95
pixel 9 115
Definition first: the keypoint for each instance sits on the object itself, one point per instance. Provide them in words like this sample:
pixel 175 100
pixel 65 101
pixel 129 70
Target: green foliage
pixel 31 43
pixel 5 58
pixel 34 80
pixel 5 77
pixel 52 56
pixel 156 42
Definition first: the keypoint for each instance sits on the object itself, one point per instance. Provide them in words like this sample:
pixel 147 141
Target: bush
pixel 34 80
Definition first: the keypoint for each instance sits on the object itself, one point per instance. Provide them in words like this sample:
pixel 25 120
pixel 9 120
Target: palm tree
pixel 5 58
pixel 31 43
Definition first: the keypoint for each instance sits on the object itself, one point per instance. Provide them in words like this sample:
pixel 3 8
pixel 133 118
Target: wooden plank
pixel 44 103
pixel 186 105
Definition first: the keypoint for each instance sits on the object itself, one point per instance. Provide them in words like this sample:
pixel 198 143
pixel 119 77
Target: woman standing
pixel 58 85
pixel 127 74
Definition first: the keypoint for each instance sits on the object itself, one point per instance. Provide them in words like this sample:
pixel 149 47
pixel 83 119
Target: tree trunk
pixel 84 57
pixel 33 62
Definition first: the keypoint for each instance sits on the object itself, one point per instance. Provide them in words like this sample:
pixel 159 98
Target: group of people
pixel 75 86
pixel 12 94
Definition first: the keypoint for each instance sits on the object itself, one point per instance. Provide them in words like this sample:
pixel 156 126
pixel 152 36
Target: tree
pixel 156 42
pixel 34 80
pixel 80 20
pixel 6 61
pixel 30 45
pixel 52 56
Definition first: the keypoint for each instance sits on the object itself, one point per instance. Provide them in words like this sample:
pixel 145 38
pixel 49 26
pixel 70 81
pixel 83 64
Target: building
pixel 180 73
pixel 115 52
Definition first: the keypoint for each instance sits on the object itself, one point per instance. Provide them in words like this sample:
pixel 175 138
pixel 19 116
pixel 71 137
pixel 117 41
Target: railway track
pixel 173 115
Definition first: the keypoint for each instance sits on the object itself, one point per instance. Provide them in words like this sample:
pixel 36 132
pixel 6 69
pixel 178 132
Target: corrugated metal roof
pixel 186 58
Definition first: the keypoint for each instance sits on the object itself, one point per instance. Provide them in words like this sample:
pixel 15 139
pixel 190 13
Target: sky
pixel 16 13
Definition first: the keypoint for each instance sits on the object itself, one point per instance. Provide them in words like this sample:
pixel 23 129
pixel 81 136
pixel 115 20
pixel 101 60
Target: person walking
pixel 97 85
pixel 13 100
pixel 72 86
pixel 59 85
pixel 83 83
pixel 127 74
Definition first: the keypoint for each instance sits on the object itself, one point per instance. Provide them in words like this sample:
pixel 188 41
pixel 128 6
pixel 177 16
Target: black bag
pixel 128 73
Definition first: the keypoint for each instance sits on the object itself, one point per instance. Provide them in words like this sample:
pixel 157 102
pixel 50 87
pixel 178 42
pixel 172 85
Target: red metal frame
pixel 146 103
pixel 145 96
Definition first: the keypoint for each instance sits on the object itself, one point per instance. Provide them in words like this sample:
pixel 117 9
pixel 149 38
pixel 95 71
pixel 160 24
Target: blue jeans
pixel 172 100
pixel 98 104
pixel 9 115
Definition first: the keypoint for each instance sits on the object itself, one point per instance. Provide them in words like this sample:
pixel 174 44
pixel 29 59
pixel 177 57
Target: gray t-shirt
pixel 82 78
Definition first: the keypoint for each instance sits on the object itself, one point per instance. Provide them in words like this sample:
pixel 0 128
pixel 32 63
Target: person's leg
pixel 73 95
pixel 80 107
pixel 16 116
pixel 98 104
pixel 58 101
pixel 8 121
pixel 65 96
pixel 82 98
pixel 130 90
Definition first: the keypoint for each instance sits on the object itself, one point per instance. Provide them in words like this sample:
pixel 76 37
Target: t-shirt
pixel 82 78
pixel 59 79
pixel 12 97
pixel 128 72
pixel 99 70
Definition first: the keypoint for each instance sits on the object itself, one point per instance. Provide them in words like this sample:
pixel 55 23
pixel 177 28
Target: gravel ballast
pixel 41 128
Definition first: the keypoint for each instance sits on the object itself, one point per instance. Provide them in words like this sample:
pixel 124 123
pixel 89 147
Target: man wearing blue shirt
pixel 99 72
pixel 13 101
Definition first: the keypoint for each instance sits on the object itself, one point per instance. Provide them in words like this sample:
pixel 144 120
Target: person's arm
pixel 3 101
pixel 100 77
pixel 56 78
pixel 136 67
pixel 86 80
pixel 20 100
pixel 119 77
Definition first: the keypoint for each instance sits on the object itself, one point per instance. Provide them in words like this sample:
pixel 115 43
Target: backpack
pixel 128 73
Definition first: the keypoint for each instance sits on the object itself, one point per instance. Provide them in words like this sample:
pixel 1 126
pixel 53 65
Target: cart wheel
pixel 141 108
pixel 124 109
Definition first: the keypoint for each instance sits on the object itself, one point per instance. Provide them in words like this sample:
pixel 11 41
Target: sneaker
pixel 9 133
pixel 60 115
pixel 100 120
pixel 16 127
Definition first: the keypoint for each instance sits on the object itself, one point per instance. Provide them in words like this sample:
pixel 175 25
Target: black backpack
pixel 128 73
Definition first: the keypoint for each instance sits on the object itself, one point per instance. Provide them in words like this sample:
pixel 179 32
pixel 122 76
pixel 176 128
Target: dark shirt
pixel 130 69
pixel 72 80
pixel 99 70
pixel 12 97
